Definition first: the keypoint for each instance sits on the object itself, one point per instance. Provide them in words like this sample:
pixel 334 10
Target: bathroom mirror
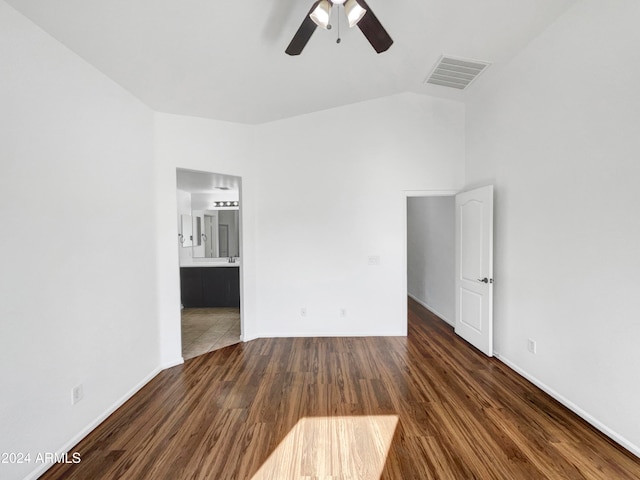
pixel 209 207
pixel 219 236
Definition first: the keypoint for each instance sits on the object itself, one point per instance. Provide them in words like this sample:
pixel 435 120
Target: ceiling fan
pixel 358 13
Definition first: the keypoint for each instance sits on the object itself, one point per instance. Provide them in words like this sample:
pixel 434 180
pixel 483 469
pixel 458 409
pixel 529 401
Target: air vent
pixel 456 72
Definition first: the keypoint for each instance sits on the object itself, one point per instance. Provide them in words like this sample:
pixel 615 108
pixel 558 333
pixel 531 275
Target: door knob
pixel 485 280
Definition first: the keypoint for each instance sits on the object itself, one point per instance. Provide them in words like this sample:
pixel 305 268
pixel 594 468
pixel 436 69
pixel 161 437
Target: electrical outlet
pixel 303 312
pixel 531 346
pixel 77 394
pixel 343 312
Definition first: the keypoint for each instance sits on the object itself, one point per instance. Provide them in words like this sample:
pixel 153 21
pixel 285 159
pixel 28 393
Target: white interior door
pixel 474 268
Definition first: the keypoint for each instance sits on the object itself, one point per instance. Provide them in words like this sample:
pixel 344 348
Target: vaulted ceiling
pixel 225 59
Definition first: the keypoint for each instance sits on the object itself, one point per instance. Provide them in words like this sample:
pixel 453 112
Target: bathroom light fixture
pixel 226 204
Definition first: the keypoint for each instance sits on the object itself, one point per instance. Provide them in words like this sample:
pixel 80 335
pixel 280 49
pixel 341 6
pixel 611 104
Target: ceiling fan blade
pixel 371 27
pixel 302 36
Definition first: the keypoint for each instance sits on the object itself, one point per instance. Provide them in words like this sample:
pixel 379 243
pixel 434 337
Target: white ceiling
pixel 204 187
pixel 225 59
pixel 193 181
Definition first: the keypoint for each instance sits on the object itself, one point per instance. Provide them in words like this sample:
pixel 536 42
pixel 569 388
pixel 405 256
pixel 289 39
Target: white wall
pixel 336 201
pixel 331 195
pixel 77 257
pixel 556 131
pixel 431 253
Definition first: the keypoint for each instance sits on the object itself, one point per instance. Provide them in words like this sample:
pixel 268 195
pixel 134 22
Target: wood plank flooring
pixel 423 407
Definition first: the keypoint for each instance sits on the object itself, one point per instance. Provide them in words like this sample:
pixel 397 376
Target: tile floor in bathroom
pixel 207 329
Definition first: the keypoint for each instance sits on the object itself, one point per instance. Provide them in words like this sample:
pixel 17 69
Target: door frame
pixel 406 194
pixel 241 241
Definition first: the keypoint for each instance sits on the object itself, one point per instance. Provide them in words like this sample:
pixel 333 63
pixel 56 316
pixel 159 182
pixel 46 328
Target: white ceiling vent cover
pixel 456 72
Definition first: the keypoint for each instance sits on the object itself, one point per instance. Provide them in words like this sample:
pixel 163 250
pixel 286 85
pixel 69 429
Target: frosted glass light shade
pixel 354 12
pixel 321 14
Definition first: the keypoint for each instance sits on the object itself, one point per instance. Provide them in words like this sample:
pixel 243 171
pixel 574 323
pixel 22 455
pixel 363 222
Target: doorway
pixel 430 254
pixel 209 243
pixel 450 260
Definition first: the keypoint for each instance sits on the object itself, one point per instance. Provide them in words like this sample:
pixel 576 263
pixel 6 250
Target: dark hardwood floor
pixel 330 408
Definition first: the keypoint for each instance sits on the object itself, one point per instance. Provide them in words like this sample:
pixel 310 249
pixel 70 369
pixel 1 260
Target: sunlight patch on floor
pixel 328 448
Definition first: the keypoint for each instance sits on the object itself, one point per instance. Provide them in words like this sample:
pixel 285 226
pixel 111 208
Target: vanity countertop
pixel 211 263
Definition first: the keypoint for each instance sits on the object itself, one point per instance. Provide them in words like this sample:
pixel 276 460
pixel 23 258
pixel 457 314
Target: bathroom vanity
pixel 216 285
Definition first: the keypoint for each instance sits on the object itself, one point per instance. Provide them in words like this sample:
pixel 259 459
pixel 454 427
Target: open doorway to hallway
pixel 431 252
pixel 209 239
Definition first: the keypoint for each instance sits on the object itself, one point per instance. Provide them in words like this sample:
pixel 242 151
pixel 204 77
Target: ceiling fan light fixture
pixel 358 13
pixel 354 12
pixel 321 14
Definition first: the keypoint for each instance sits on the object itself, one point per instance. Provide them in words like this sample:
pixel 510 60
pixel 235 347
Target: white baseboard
pixel 89 428
pixel 173 363
pixel 432 310
pixel 616 437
